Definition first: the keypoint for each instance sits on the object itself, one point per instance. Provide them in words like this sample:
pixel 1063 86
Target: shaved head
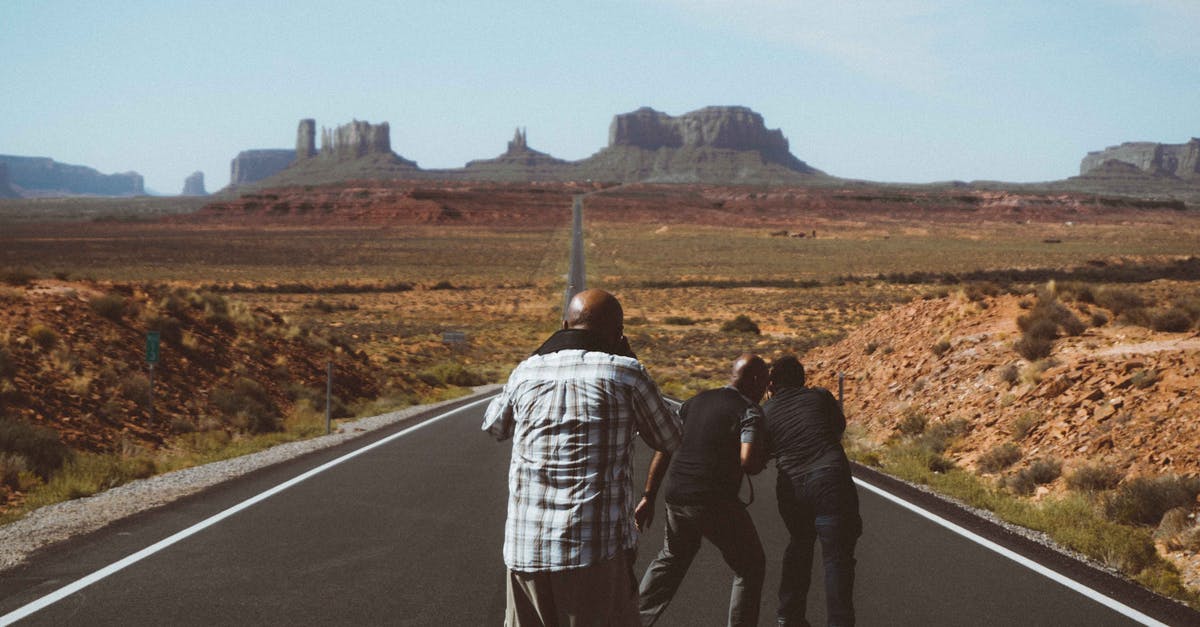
pixel 750 376
pixel 596 311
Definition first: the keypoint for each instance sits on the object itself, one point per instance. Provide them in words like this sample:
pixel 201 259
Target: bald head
pixel 750 376
pixel 596 311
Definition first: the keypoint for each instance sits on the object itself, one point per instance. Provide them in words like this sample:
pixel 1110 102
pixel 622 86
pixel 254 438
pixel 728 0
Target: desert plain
pixel 1030 353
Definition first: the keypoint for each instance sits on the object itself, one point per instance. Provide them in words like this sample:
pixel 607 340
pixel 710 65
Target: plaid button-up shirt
pixel 572 415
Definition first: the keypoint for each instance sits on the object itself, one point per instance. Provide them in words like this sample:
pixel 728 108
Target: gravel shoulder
pixel 61 521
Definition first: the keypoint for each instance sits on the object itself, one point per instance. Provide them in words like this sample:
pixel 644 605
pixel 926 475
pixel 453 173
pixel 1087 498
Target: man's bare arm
pixel 643 514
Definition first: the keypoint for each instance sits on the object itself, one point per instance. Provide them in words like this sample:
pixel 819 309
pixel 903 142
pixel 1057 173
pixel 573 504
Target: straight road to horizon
pixel 410 533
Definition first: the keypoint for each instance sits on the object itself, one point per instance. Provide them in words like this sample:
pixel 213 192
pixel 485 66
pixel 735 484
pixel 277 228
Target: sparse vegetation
pixel 1094 477
pixel 1024 424
pixel 111 306
pixel 38 448
pixel 741 324
pixel 682 321
pixel 43 336
pixel 999 457
pixel 941 347
pixel 1144 500
pixel 246 405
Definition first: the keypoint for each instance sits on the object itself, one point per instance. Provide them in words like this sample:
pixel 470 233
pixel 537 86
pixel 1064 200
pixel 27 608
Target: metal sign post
pixel 328 398
pixel 152 355
pixel 841 389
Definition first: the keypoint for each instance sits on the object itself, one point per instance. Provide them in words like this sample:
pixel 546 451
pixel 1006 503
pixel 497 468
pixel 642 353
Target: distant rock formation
pixel 519 163
pixel 730 128
pixel 251 166
pixel 714 144
pixel 354 140
pixel 1177 160
pixel 194 185
pixel 6 190
pixel 306 139
pixel 41 176
pixel 711 145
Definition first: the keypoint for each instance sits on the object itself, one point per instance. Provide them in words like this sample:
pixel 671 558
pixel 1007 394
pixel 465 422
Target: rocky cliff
pixel 194 185
pixel 1178 160
pixel 41 176
pixel 6 190
pixel 251 166
pixel 714 144
pixel 354 140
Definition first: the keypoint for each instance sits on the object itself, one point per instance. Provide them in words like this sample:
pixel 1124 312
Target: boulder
pixel 194 185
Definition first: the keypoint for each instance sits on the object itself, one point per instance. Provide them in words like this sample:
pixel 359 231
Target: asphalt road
pixel 409 533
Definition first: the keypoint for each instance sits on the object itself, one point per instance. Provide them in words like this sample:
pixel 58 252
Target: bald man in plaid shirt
pixel 573 409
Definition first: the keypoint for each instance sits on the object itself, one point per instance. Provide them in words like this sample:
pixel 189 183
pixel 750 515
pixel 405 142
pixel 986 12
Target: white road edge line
pixel 1094 595
pixel 80 584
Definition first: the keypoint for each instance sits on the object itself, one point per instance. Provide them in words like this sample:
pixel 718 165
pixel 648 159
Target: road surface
pixel 409 533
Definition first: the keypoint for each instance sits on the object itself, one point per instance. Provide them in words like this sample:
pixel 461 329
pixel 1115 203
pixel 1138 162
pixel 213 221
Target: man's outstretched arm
pixel 643 514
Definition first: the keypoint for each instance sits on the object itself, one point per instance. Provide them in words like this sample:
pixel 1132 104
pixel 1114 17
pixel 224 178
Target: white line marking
pixel 1098 597
pixel 80 584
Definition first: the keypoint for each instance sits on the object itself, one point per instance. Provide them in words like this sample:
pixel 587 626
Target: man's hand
pixel 643 514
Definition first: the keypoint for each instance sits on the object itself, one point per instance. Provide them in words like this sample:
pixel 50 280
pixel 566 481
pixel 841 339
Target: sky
pixel 883 90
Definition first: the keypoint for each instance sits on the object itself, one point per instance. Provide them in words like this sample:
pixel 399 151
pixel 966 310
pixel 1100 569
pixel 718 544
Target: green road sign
pixel 152 347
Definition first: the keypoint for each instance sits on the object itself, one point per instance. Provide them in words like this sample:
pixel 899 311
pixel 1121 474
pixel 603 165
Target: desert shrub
pixel 1119 300
pixel 175 303
pixel 912 423
pixel 1175 522
pixel 12 465
pixel 182 424
pixel 1144 500
pixel 169 328
pixel 246 404
pixel 1010 374
pixel 741 324
pixel 442 285
pixel 980 290
pixel 870 348
pixel 1034 348
pixel 1020 482
pixel 315 397
pixel 43 336
pixel 8 363
pixel 1094 477
pixel 1171 320
pixel 450 373
pixel 1099 319
pixel 1024 424
pixel 111 306
pixel 136 387
pixel 17 276
pixel 89 473
pixel 940 435
pixel 41 449
pixel 1190 305
pixel 941 347
pixel 1144 378
pixel 682 321
pixel 999 457
pixel 1044 471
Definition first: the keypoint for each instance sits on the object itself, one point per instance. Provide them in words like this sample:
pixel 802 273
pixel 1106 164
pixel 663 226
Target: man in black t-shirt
pixel 816 493
pixel 723 435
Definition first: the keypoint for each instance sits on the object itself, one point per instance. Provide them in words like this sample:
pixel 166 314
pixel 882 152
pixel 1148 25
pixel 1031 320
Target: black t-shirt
pixel 707 465
pixel 805 427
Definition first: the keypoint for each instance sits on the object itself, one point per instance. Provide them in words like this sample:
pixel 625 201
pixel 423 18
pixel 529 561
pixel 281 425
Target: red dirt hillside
pixel 1119 394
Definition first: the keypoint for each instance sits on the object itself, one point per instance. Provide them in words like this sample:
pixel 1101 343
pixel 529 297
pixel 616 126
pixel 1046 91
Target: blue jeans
pixel 821 504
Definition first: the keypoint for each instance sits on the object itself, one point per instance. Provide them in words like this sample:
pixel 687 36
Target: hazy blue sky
pixel 904 90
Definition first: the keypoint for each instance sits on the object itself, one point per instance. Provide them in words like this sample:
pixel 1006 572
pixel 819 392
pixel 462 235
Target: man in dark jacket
pixel 723 435
pixel 816 494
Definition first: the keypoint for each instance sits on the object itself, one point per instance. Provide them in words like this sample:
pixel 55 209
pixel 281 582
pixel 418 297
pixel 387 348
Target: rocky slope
pixel 1118 394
